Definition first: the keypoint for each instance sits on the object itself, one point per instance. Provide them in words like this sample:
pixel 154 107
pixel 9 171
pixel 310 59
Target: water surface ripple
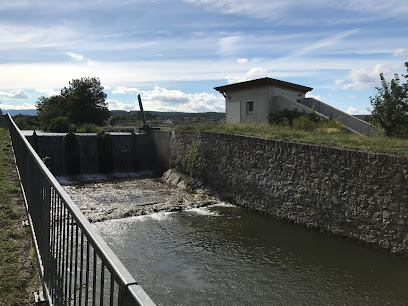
pixel 225 255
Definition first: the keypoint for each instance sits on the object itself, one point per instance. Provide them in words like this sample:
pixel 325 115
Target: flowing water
pixel 221 254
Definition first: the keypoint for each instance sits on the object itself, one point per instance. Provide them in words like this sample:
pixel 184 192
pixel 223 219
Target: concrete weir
pixel 81 154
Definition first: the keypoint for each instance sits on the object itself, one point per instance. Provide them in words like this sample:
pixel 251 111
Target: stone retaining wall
pixel 354 194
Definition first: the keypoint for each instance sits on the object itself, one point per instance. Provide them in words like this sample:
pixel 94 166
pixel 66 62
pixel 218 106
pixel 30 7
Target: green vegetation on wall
pixel 193 160
pixel 326 134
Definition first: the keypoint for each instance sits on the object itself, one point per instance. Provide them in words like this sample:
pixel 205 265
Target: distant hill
pixel 208 115
pixel 13 112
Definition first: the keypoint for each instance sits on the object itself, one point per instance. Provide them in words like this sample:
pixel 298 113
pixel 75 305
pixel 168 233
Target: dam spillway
pixel 84 154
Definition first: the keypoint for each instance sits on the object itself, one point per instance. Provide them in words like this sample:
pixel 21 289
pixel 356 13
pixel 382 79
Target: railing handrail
pixel 125 280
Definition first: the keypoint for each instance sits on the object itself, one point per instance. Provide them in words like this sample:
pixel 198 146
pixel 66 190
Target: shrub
pixel 333 126
pixel 285 117
pixel 89 128
pixel 304 123
pixel 26 122
pixel 59 125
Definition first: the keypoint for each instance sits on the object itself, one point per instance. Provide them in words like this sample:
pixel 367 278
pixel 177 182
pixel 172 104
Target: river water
pixel 221 254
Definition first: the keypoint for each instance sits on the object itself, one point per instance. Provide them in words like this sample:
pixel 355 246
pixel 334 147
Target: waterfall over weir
pixel 79 154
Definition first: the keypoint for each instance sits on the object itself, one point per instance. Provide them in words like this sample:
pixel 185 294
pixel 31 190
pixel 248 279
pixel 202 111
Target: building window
pixel 250 106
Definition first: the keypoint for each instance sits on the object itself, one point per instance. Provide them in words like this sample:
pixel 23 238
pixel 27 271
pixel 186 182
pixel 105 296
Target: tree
pixel 390 106
pixel 50 108
pixel 86 101
pixel 83 101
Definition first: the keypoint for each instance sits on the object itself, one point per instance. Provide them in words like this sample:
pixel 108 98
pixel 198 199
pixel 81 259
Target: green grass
pixel 14 243
pixel 327 136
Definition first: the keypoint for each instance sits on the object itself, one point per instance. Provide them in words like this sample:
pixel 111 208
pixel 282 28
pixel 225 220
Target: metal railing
pixel 77 266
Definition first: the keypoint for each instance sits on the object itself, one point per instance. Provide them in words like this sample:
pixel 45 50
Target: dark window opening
pixel 250 106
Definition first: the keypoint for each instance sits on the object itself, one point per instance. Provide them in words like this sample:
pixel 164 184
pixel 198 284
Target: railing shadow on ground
pixel 77 266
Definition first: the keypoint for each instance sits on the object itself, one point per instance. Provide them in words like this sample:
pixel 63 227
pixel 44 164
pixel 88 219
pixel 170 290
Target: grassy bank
pixel 18 277
pixel 325 136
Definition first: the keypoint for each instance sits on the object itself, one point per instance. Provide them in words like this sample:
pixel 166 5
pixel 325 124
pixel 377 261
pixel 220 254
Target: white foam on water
pixel 222 204
pixel 90 178
pixel 159 216
pixel 204 211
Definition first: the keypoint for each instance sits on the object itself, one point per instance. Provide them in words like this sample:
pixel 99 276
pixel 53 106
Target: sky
pixel 173 53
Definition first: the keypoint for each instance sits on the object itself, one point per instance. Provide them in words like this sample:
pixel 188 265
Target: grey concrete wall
pixel 353 123
pixel 162 142
pixel 288 94
pixel 280 103
pixel 260 98
pixel 359 195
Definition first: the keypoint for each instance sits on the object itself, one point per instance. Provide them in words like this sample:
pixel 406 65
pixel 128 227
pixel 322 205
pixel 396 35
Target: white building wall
pixel 259 96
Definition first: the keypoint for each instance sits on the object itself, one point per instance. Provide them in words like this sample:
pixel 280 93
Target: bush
pixel 304 123
pixel 59 125
pixel 333 126
pixel 22 123
pixel 26 122
pixel 89 128
pixel 285 117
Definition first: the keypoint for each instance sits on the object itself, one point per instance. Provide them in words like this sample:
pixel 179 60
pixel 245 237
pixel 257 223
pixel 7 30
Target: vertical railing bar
pixel 71 224
pixel 66 258
pixel 102 284
pixel 94 279
pixel 87 273
pixel 112 290
pixel 63 245
pixel 54 241
pixel 76 264
pixel 60 249
pixel 81 267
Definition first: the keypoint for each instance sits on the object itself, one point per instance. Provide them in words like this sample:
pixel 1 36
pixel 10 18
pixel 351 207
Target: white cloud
pixel 323 43
pixel 57 75
pixel 81 58
pixel 317 97
pixel 282 9
pixel 400 52
pixel 354 111
pixel 242 60
pixel 14 94
pixel 254 73
pixel 363 78
pixel 76 57
pixel 17 107
pixel 229 45
pixel 257 73
pixel 338 82
pixel 162 99
pixel 116 105
pixel 125 90
pixel 49 91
